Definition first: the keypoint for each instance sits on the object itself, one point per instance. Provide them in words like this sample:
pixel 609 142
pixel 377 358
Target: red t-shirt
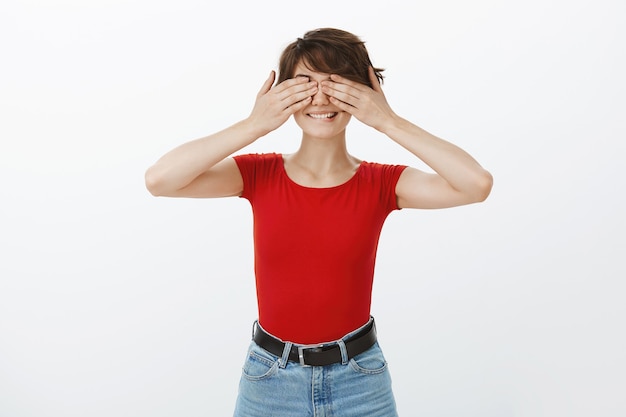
pixel 315 248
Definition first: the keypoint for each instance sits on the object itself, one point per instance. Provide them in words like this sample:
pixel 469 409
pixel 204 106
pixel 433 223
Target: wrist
pixel 393 125
pixel 250 128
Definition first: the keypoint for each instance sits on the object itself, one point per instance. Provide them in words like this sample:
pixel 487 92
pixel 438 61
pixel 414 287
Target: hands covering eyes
pixel 274 105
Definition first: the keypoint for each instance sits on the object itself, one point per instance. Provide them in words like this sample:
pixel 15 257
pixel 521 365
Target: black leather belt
pixel 318 355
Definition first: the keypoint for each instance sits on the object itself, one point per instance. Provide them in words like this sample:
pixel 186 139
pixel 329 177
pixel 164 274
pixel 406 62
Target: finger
pixel 342 105
pixel 291 82
pixel 342 80
pixel 341 92
pixel 330 87
pixel 299 105
pixel 308 88
pixel 299 96
pixel 267 85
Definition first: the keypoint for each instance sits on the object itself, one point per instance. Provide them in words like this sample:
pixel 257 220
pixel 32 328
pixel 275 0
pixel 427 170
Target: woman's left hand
pixel 366 104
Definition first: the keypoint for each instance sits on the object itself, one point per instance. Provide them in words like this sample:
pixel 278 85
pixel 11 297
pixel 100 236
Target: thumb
pixel 374 80
pixel 267 85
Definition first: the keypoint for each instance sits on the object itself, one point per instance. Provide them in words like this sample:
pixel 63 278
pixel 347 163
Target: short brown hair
pixel 331 51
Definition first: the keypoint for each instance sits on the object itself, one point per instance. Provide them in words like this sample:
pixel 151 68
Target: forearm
pixel 452 163
pixel 180 166
pixel 273 106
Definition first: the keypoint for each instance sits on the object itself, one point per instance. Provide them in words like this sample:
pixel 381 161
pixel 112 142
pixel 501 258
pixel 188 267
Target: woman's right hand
pixel 274 105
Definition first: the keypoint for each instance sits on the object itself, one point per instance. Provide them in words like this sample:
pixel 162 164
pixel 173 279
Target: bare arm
pixel 201 167
pixel 458 178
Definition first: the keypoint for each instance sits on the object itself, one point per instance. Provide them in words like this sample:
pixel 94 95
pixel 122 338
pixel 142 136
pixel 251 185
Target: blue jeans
pixel 271 386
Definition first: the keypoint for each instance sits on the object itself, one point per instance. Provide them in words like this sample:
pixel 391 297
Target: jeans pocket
pixel 259 364
pixel 370 362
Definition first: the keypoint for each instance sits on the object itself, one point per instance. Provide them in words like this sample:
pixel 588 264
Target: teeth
pixel 322 116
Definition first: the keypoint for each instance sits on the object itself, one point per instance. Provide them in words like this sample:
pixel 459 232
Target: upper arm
pixel 422 190
pixel 222 180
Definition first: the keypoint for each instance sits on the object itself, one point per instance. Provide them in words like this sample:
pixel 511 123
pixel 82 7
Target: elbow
pixel 153 182
pixel 484 184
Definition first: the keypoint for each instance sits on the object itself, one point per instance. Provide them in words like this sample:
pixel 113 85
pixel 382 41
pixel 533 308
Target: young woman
pixel 318 214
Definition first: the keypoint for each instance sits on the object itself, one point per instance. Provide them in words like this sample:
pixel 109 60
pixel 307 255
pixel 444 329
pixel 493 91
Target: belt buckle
pixel 302 348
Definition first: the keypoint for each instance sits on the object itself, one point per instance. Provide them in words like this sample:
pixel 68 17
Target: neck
pixel 323 154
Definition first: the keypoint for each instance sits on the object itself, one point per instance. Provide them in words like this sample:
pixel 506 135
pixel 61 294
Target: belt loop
pixel 344 351
pixel 285 357
pixel 254 327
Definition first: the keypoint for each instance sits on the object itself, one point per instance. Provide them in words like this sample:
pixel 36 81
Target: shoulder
pixel 258 157
pixel 253 161
pixel 257 169
pixel 380 182
pixel 378 171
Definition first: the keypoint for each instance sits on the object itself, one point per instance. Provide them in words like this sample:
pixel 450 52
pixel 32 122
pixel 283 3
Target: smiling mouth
pixel 329 115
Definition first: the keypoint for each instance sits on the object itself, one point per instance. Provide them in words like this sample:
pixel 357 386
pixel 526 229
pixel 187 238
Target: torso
pixel 315 246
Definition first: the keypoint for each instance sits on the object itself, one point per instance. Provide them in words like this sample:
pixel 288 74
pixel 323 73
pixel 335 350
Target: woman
pixel 318 214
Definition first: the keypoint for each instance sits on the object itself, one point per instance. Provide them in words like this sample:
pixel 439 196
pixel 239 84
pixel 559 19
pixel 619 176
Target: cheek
pixel 345 118
pixel 299 118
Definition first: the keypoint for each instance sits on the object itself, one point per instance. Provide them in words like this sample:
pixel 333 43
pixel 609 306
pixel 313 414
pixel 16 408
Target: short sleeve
pixel 256 169
pixel 389 176
pixel 246 165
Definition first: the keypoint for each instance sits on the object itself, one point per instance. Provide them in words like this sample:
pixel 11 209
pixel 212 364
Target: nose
pixel 319 98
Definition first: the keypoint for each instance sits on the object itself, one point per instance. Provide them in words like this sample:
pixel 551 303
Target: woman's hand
pixel 366 104
pixel 274 105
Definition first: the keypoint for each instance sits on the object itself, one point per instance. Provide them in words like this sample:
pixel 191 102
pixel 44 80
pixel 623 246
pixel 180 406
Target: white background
pixel 116 303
